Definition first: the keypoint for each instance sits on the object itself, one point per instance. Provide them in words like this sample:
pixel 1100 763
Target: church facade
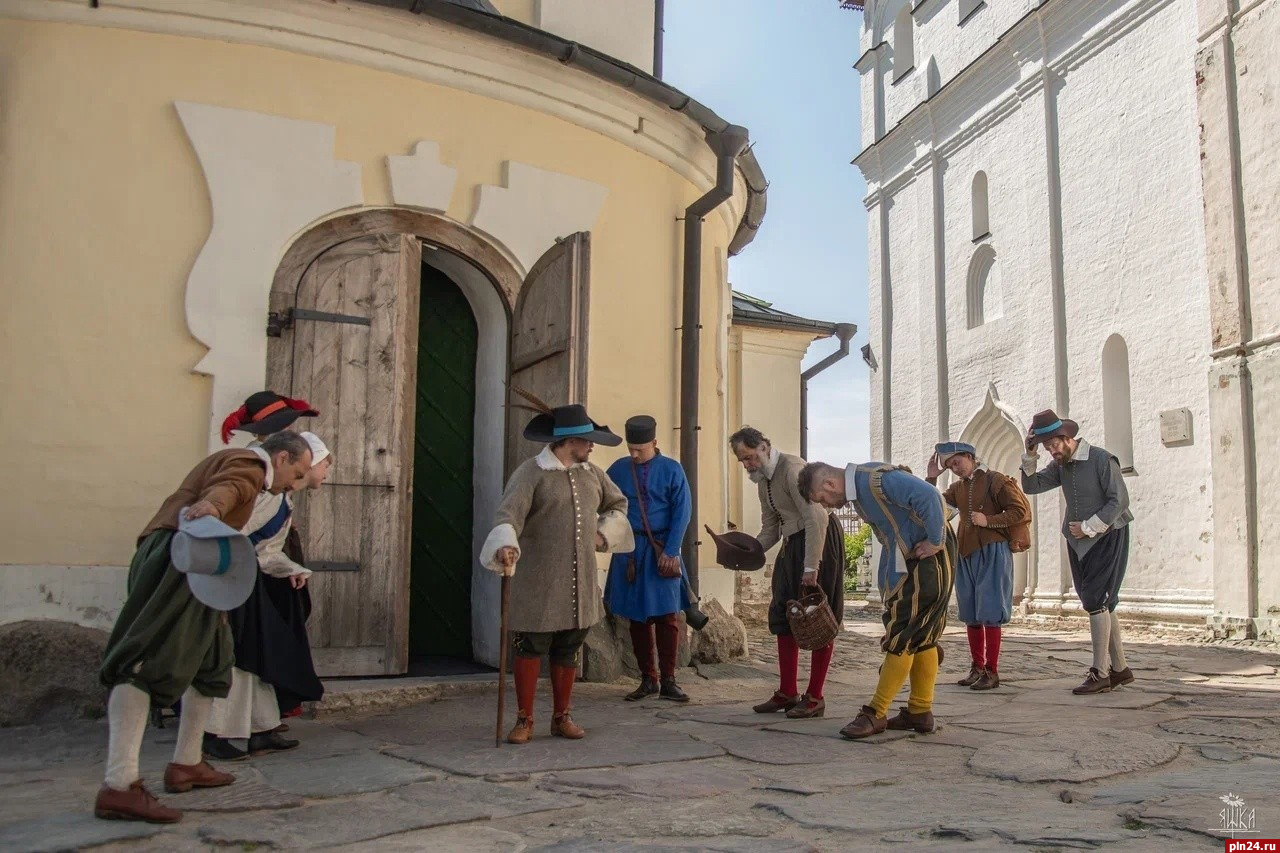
pixel 1037 239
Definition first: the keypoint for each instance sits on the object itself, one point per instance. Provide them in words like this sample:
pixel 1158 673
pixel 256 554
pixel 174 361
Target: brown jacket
pixel 229 479
pixel 995 496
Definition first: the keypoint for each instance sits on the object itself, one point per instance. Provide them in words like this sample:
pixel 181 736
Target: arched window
pixel 985 300
pixel 981 214
pixel 1117 403
pixel 904 51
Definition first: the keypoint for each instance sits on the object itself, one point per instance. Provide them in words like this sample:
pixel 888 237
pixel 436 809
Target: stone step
pixel 350 696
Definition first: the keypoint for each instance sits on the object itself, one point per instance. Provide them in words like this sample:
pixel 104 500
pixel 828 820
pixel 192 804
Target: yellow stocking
pixel 893 674
pixel 924 672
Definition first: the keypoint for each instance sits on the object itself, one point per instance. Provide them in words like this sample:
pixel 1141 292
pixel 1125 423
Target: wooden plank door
pixel 549 336
pixel 354 359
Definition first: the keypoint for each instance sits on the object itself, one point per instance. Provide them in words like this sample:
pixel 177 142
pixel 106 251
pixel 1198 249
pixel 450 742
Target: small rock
pixel 723 639
pixel 1066 797
pixel 50 672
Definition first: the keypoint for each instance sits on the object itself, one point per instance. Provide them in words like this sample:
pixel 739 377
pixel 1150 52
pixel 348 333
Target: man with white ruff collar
pixel 171 641
pixel 557 511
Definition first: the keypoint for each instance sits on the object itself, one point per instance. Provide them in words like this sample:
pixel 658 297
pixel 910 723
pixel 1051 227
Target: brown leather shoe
pixel 1094 682
pixel 807 708
pixel 133 804
pixel 906 721
pixel 562 725
pixel 522 731
pixel 865 724
pixel 776 702
pixel 975 672
pixel 180 778
pixel 989 680
pixel 1119 678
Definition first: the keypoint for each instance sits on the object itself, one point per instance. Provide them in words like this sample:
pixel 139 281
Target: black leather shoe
pixel 264 742
pixel 221 749
pixel 647 688
pixel 672 692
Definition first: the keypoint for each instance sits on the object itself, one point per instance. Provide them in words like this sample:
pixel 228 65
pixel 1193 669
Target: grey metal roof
pixel 752 311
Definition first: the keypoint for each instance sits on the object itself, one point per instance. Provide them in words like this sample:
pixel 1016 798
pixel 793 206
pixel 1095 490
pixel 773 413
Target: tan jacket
pixel 229 479
pixel 1009 509
pixel 784 511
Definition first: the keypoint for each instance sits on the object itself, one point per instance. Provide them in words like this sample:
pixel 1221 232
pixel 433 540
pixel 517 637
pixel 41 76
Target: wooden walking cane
pixel 502 660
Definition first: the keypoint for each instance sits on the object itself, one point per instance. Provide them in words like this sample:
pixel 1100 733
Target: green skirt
pixel 164 640
pixel 915 612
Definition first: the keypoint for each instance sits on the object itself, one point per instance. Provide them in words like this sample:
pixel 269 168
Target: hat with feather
pixel 556 423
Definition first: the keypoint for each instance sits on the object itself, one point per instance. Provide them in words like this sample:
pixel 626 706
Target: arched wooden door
pixel 349 351
pixel 549 336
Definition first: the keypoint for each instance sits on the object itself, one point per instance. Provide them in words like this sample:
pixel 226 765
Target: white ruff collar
pixel 548 461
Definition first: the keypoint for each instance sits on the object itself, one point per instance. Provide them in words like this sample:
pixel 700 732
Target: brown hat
pixel 737 550
pixel 1047 425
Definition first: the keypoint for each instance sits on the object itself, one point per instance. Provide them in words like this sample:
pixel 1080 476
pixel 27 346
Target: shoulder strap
pixel 644 515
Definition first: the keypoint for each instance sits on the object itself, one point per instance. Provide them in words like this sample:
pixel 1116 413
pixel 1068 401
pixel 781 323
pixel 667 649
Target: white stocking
pixel 195 713
pixel 127 710
pixel 1116 646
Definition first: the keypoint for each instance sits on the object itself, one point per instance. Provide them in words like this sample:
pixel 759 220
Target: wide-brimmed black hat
pixel 1047 425
pixel 737 550
pixel 569 421
pixel 265 413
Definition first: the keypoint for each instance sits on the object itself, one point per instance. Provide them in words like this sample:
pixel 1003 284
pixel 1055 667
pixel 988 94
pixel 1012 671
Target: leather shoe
pixel 221 749
pixel 672 692
pixel 1094 682
pixel 647 688
pixel 865 724
pixel 133 804
pixel 180 778
pixel 975 672
pixel 989 680
pixel 906 721
pixel 522 731
pixel 776 702
pixel 264 742
pixel 1121 677
pixel 562 725
pixel 807 708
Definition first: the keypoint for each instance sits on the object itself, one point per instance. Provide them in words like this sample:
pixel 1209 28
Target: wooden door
pixel 549 336
pixel 352 346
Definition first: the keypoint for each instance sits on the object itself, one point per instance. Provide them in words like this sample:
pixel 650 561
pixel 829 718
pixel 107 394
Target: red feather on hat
pixel 297 405
pixel 232 422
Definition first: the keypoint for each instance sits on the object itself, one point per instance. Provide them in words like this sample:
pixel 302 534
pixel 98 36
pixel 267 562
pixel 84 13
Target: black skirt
pixel 788 570
pixel 270 634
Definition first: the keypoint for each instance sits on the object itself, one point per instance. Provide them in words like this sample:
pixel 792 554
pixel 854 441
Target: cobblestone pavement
pixel 1028 765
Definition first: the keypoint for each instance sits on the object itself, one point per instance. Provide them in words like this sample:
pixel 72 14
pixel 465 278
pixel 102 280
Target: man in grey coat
pixel 1097 531
pixel 557 511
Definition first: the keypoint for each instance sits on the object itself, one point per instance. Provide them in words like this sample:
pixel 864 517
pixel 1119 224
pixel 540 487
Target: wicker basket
pixel 813 625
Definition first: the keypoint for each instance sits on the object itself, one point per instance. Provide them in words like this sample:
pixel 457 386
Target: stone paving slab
pixel 724 715
pixel 469 838
pixel 686 780
pixel 607 748
pixel 68 832
pixel 1122 698
pixel 1068 755
pixel 1255 779
pixel 342 775
pixel 726 844
pixel 763 747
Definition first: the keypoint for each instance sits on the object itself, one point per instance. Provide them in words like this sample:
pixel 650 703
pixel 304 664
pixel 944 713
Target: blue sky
pixel 784 70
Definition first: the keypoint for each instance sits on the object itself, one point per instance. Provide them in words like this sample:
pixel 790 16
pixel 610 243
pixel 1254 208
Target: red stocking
pixel 818 666
pixel 788 665
pixel 992 633
pixel 977 645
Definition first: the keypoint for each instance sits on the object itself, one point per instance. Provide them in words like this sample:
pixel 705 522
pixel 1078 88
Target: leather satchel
pixel 653 543
pixel 1019 535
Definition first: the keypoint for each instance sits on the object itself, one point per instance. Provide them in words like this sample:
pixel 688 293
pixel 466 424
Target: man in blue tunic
pixel 647 585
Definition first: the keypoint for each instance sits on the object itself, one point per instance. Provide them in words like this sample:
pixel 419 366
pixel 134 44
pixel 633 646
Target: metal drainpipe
pixel 845 332
pixel 657 38
pixel 727 145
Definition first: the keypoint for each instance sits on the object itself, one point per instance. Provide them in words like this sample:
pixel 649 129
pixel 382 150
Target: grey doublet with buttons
pixel 556 514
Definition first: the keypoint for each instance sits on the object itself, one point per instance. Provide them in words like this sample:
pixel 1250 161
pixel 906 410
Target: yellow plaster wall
pixel 103 209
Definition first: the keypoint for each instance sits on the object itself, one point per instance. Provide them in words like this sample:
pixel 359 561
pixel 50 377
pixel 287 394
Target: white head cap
pixel 319 452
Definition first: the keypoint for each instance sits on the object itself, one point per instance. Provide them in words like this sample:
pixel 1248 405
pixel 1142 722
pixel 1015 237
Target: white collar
pixel 548 461
pixel 1082 451
pixel 771 464
pixel 257 450
pixel 850 482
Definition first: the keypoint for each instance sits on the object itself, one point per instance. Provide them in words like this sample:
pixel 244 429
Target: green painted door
pixel 440 567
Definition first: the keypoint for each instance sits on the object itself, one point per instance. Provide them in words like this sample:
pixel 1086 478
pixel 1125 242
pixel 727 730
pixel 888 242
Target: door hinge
pixel 278 321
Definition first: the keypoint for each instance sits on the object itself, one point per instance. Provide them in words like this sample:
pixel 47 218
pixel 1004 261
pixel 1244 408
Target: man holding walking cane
pixel 558 510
